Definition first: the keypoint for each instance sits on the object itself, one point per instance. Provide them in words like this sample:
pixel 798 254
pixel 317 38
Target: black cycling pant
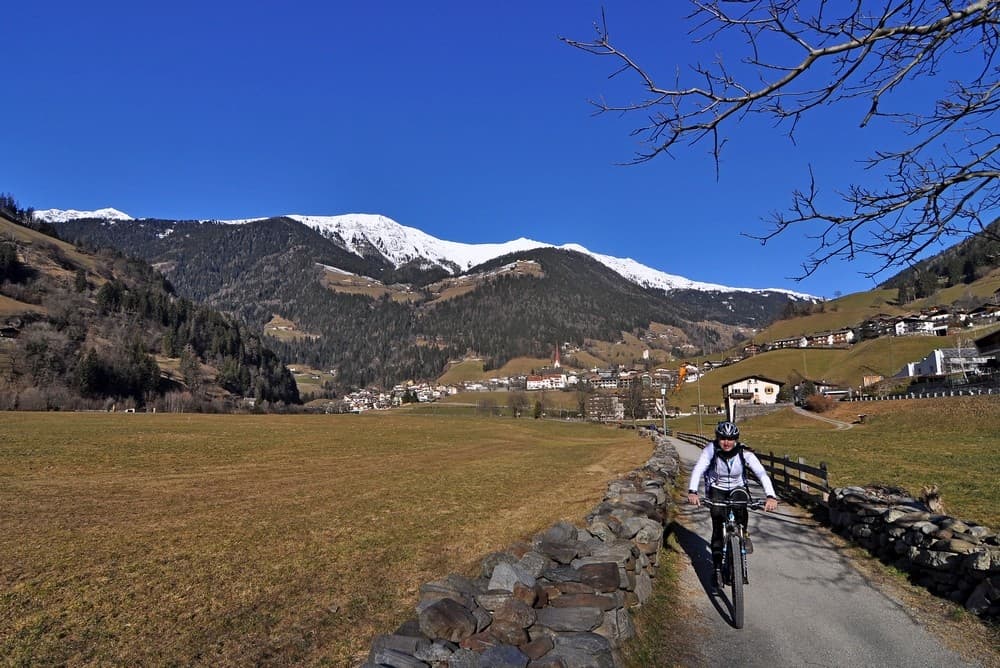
pixel 719 515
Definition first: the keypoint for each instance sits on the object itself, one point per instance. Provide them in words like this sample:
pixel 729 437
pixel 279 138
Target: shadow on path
pixel 700 554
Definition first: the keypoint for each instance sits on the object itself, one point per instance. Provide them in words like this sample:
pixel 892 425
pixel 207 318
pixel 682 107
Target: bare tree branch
pixel 802 55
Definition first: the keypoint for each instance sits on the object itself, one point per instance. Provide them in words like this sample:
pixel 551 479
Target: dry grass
pixel 9 306
pixel 553 401
pixel 627 351
pixel 463 371
pixel 310 380
pixel 981 289
pixel 241 540
pixel 354 284
pixel 520 366
pixel 284 329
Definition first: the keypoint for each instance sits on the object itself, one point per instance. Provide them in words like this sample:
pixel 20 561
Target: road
pixel 816 416
pixel 805 605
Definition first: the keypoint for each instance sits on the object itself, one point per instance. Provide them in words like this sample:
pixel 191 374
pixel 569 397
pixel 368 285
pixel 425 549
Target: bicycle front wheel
pixel 736 570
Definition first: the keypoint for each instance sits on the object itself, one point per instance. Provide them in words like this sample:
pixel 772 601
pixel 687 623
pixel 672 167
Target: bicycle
pixel 735 570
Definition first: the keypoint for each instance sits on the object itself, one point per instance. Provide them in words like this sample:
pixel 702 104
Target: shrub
pixel 819 403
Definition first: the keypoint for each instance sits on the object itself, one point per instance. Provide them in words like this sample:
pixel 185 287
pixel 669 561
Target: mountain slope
pixel 282 267
pixel 82 329
pixel 378 237
pixel 963 263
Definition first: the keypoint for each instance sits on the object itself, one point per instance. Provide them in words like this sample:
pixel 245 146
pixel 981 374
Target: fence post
pixel 802 477
pixel 786 460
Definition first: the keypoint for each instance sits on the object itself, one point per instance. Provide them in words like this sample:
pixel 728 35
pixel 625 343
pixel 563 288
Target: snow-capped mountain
pixel 399 244
pixel 63 215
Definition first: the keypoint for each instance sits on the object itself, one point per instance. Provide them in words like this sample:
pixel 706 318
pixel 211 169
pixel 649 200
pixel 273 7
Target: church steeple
pixel 555 360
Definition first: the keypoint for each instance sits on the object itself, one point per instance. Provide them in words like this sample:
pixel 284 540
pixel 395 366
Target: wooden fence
pixel 793 479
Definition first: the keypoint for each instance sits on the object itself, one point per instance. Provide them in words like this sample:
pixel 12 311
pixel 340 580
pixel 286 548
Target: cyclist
pixel 723 463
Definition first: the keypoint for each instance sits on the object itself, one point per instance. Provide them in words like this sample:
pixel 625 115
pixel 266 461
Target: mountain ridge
pixel 368 235
pixel 410 324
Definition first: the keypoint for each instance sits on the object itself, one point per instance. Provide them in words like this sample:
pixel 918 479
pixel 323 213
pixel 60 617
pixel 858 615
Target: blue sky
pixel 466 120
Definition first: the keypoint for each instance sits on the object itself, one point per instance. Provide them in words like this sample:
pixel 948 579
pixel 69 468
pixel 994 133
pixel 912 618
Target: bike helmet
pixel 727 430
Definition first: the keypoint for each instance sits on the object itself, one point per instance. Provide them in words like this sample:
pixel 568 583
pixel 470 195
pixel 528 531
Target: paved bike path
pixel 805 604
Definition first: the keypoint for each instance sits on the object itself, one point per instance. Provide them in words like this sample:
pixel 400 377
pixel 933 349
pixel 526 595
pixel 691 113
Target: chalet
pixel 843 337
pixel 821 340
pixel 791 342
pixel 750 390
pixel 876 326
pixel 604 408
pixel 664 378
pixel 916 326
pixel 548 380
pixel 603 379
pixel 985 313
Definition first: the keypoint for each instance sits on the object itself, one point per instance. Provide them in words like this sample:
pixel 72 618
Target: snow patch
pixel 65 215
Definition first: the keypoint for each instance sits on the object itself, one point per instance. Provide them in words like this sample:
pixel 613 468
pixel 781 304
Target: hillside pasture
pixel 951 442
pixel 979 290
pixel 284 329
pixel 842 366
pixel 521 366
pixel 245 540
pixel 353 284
pixel 33 239
pixel 460 372
pixel 626 351
pixel 847 311
pixel 308 380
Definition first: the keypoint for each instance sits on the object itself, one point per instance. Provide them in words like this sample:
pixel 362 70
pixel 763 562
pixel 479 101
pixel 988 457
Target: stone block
pixel 505 576
pixel 602 576
pixel 570 619
pixel 448 620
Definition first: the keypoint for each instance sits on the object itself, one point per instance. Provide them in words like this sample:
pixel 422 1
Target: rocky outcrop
pixel 562 600
pixel 955 559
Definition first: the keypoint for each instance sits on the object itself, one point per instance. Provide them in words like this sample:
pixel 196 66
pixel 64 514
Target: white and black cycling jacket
pixel 728 474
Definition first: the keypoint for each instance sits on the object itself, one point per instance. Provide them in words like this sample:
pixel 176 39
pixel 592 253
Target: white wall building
pixel 750 390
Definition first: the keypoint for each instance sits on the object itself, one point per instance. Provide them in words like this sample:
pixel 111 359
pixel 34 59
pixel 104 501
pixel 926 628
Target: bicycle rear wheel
pixel 736 578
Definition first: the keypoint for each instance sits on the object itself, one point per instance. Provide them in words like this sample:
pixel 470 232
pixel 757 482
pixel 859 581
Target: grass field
pixel 463 371
pixel 247 540
pixel 553 401
pixel 952 442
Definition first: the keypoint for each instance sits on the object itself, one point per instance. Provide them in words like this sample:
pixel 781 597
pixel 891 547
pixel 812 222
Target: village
pixel 608 388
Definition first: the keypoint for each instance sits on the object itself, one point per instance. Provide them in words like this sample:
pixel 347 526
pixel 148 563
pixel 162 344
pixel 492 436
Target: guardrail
pixel 792 478
pixel 964 392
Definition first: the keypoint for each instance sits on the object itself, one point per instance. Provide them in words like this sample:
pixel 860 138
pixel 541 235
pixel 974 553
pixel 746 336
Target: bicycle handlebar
pixel 725 504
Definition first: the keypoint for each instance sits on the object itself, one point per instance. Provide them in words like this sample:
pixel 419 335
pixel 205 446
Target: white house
pixel 750 390
pixel 946 360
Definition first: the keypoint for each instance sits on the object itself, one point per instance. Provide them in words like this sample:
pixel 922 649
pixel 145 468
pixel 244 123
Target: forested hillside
pixel 276 267
pixel 963 263
pixel 89 330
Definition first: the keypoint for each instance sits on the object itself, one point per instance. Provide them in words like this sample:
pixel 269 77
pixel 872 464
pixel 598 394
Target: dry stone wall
pixel 954 559
pixel 563 600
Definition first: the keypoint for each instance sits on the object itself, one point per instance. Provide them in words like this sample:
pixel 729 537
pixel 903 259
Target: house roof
pixel 737 380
